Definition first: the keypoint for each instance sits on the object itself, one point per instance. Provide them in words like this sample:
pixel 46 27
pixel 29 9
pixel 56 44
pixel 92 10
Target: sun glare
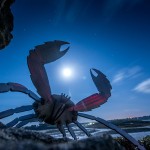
pixel 67 72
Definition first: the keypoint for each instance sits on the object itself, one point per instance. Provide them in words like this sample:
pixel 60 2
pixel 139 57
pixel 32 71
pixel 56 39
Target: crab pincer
pixel 97 99
pixel 101 82
pixel 50 51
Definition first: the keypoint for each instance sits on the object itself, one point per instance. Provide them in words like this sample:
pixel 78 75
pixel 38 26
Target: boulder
pixel 22 139
pixel 6 23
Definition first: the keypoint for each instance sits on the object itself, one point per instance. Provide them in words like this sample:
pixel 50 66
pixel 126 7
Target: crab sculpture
pixel 56 109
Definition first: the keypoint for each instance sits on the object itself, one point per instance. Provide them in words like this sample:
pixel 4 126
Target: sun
pixel 67 72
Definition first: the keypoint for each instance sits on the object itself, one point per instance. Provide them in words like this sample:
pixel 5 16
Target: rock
pixel 2 125
pixel 22 139
pixel 6 22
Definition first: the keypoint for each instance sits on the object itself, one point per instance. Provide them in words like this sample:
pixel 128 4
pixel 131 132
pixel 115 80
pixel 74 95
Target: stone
pixel 6 23
pixel 22 139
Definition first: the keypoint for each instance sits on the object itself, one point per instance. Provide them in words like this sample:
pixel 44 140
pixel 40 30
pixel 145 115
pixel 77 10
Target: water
pixel 94 132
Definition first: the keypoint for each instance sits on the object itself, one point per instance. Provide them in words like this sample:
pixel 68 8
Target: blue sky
pixel 110 35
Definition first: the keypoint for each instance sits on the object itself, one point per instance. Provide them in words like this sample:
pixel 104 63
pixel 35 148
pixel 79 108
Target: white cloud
pixel 133 72
pixel 127 73
pixel 118 77
pixel 143 87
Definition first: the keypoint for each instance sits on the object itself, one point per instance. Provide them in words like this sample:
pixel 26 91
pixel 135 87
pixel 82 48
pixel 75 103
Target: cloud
pixel 118 77
pixel 127 73
pixel 143 87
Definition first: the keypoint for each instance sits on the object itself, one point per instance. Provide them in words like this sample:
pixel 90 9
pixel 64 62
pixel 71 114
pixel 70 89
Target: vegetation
pixel 145 142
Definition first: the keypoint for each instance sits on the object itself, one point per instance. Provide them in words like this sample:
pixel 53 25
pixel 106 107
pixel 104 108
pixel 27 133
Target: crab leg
pixel 23 123
pixel 22 118
pixel 71 131
pixel 62 130
pixel 82 128
pixel 10 112
pixel 113 127
pixel 15 87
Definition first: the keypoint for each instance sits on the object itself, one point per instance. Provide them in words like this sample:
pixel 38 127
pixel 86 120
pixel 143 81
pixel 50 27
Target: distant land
pixel 135 118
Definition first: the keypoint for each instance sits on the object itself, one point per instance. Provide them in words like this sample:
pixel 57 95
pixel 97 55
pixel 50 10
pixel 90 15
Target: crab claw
pixel 50 51
pixel 40 55
pixel 97 99
pixel 101 82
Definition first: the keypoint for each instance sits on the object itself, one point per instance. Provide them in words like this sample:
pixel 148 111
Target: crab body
pixel 56 113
